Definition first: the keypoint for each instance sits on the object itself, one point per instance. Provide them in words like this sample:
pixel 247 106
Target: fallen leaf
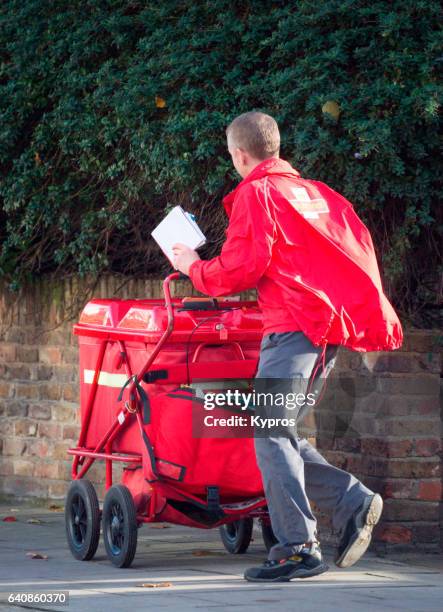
pixel 155 585
pixel 160 102
pixel 34 521
pixel 159 526
pixel 36 555
pixel 9 519
pixel 204 553
pixel 55 508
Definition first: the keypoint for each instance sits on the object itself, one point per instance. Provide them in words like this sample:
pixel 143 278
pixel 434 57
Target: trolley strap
pixel 143 397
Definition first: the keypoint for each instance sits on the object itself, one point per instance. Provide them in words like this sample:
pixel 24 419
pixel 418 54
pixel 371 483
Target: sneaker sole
pixel 357 548
pixel 298 573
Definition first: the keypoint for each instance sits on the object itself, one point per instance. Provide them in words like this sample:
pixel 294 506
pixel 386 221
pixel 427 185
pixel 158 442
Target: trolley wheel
pixel 237 536
pixel 268 536
pixel 119 521
pixel 82 519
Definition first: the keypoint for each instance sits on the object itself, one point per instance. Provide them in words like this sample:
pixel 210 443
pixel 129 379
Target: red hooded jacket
pixel 310 257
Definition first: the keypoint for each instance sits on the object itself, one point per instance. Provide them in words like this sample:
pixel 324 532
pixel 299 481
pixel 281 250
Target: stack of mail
pixel 178 226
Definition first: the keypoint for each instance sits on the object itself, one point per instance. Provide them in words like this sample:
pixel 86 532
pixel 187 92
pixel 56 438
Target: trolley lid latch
pixel 213 498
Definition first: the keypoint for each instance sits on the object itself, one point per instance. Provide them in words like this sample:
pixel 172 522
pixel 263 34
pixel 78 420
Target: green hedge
pixel 113 111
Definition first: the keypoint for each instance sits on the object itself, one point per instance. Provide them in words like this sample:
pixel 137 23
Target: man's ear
pixel 243 156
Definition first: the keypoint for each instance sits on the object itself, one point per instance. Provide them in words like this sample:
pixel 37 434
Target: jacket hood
pixel 268 167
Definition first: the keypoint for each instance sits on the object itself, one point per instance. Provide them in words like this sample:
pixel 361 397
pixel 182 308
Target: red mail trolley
pixel 144 365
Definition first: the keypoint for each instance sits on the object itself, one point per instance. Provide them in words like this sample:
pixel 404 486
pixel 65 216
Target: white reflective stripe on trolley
pixel 105 379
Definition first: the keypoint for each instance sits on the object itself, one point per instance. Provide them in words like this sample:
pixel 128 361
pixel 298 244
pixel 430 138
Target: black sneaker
pixel 358 531
pixel 308 562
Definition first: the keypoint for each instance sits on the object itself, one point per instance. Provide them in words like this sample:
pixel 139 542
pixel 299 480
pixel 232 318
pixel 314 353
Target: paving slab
pixel 199 573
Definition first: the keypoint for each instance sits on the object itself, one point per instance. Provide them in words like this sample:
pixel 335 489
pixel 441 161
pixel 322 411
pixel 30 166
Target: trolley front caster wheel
pixel 82 519
pixel 268 536
pixel 119 521
pixel 237 536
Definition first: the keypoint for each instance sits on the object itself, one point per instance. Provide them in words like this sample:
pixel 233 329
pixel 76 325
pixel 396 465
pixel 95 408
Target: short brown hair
pixel 256 133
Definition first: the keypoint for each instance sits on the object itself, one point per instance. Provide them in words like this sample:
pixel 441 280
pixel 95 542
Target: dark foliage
pixel 112 111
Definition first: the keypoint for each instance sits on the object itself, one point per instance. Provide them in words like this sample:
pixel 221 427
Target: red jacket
pixel 310 257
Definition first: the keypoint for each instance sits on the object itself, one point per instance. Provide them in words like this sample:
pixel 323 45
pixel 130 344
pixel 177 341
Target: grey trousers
pixel 293 471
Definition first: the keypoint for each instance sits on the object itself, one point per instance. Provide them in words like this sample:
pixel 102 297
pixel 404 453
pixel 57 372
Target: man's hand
pixel 184 257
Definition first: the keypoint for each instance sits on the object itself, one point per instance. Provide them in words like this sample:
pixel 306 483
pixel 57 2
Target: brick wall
pixel 39 385
pixel 380 419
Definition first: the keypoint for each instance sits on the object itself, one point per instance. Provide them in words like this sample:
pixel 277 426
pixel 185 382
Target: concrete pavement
pixel 200 573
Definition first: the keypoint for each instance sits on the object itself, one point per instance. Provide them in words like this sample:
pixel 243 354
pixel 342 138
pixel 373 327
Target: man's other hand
pixel 184 257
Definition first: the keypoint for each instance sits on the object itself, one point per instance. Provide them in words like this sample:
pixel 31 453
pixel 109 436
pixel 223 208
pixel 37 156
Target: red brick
pixel 50 391
pixel 348 444
pixel 391 362
pixel 27 391
pixel 362 425
pixel 409 405
pixel 60 450
pixel 70 355
pixel 430 406
pixel 39 448
pixel 426 533
pixel 40 411
pixel 51 355
pixel 422 341
pixel 429 362
pixel 27 354
pixel 386 448
pixel 43 372
pixel 25 427
pixel 67 373
pixel 6 390
pixel 15 335
pixel 23 467
pixel 428 447
pixel 52 470
pixel 70 393
pixel 397 489
pixel 23 486
pixel 18 372
pixel 407 426
pixel 418 384
pixel 357 386
pixel 14 447
pixel 58 490
pixel 373 466
pixel 414 468
pixel 71 432
pixel 17 408
pixel 7 352
pixel 7 428
pixel 6 467
pixel 410 510
pixel 430 490
pixel 50 430
pixel 394 534
pixel 65 414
